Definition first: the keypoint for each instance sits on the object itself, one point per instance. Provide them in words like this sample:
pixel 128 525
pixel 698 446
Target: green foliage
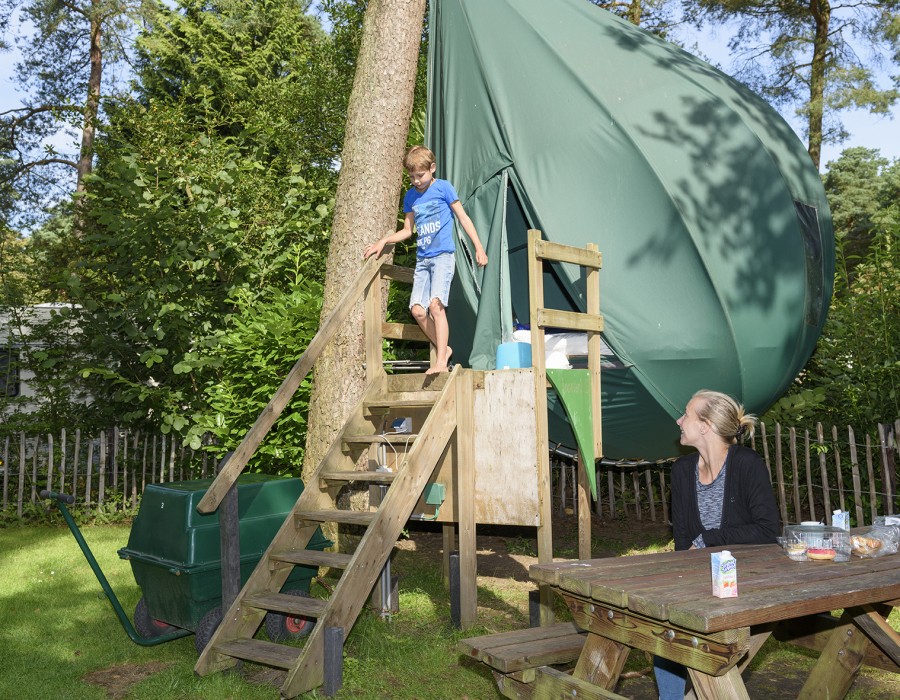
pixel 261 343
pixel 853 376
pixel 208 204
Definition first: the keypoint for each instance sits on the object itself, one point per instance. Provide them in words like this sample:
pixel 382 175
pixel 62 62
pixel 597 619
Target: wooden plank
pixel 887 471
pixel 571 320
pixel 871 473
pixel 402 331
pixel 558 252
pixel 795 470
pixel 730 685
pixel 584 509
pixel 551 684
pixel 601 661
pixel 260 651
pixel 873 623
pixel 293 604
pixel 379 408
pixel 823 469
pixel 542 449
pixel 352 476
pixel 592 297
pixel 814 631
pixel 398 273
pixel 765 446
pixel 313 557
pixel 839 475
pixel 373 314
pixel 838 663
pixel 347 517
pixel 857 485
pixel 403 439
pixel 561 644
pixel 807 596
pixel 464 453
pixel 288 388
pixel 810 496
pixel 779 470
pixel 621 628
pixel 513 688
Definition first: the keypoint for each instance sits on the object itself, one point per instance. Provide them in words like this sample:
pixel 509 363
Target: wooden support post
pixel 455 615
pixel 538 359
pixel 465 470
pixel 838 663
pixel 229 538
pixel 584 508
pixel 448 537
pixel 333 662
pixel 823 470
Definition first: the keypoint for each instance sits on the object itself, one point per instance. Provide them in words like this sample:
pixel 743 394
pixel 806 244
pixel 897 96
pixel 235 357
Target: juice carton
pixel 841 519
pixel 724 575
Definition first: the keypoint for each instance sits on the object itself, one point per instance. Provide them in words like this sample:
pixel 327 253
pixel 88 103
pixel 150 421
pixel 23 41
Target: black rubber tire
pixel 282 627
pixel 209 623
pixel 147 626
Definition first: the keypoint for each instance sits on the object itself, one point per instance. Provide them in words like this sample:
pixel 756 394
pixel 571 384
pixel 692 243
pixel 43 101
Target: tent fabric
pixel 573 387
pixel 712 220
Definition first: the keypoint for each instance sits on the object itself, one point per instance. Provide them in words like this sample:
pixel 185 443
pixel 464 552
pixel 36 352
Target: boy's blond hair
pixel 418 158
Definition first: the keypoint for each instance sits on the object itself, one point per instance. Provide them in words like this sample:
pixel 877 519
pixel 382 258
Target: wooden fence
pixel 813 472
pixel 109 469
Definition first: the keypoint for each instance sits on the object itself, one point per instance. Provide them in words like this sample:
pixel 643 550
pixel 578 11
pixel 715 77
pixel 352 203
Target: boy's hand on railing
pixel 375 249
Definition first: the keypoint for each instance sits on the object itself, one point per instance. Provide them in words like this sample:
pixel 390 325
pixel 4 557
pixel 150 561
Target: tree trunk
pixel 821 12
pixel 366 202
pixel 91 111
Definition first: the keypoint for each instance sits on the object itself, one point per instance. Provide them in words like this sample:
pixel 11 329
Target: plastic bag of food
pixel 877 541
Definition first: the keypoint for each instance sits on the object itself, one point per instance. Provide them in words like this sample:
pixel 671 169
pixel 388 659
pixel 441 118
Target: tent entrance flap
pixel 573 386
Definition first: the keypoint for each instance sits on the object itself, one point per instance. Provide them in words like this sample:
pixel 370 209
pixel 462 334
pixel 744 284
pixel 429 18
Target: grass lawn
pixel 60 638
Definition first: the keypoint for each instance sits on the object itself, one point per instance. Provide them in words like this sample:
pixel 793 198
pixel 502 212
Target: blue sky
pixel 868 130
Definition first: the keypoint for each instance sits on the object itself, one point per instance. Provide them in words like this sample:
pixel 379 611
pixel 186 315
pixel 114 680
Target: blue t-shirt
pixel 434 220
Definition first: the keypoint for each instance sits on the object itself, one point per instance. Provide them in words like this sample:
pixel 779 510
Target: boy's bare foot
pixel 438 368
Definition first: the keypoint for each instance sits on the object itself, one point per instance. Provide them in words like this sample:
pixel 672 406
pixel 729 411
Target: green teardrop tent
pixel 716 236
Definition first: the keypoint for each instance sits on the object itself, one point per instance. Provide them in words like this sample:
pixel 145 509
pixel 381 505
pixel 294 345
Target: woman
pixel 721 495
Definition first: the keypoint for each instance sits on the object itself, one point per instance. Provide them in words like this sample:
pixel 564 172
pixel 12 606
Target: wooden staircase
pixel 389 397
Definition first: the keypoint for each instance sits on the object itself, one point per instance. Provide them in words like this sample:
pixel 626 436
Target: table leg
pixel 729 686
pixel 839 661
pixel 601 661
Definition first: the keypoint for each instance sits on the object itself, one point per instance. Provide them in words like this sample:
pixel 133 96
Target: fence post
pixel 779 470
pixel 20 496
pixel 810 496
pixel 6 469
pixel 873 499
pixel 837 462
pixel 49 461
pixel 887 469
pixel 823 468
pixel 75 462
pixel 101 479
pixel 90 472
pixel 62 460
pixel 792 445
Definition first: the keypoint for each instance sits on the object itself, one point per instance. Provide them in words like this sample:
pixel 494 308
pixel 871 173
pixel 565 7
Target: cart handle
pixel 61 497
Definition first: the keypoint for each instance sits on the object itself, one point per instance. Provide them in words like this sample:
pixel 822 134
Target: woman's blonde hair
pixel 725 415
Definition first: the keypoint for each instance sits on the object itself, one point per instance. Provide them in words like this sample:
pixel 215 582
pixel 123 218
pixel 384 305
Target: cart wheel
pixel 285 627
pixel 209 623
pixel 147 626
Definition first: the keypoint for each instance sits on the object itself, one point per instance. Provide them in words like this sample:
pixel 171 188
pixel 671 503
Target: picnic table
pixel 663 604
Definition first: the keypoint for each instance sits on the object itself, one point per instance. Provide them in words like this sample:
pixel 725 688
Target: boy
pixel 431 205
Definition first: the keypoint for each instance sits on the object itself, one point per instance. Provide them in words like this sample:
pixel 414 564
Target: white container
pixel 724 574
pixel 841 519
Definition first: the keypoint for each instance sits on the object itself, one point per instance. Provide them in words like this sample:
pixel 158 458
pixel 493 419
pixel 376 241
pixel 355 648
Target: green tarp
pixel 715 233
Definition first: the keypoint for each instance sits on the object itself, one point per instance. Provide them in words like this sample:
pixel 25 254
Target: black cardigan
pixel 749 513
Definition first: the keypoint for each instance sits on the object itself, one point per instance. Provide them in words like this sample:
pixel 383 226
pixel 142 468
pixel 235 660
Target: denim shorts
pixel 432 280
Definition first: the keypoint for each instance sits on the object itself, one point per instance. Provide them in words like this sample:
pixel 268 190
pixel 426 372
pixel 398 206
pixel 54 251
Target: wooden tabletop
pixel 677 586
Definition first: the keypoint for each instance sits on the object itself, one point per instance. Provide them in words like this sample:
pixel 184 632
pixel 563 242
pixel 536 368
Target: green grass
pixel 58 632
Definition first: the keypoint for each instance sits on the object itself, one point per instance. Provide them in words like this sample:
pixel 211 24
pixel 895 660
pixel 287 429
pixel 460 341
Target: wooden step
pixel 416 382
pixel 522 649
pixel 312 557
pixel 302 606
pixel 388 405
pixel 347 517
pixel 373 477
pixel 261 652
pixel 402 439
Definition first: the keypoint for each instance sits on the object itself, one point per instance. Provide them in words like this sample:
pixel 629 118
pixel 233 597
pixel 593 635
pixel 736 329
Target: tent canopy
pixel 712 220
